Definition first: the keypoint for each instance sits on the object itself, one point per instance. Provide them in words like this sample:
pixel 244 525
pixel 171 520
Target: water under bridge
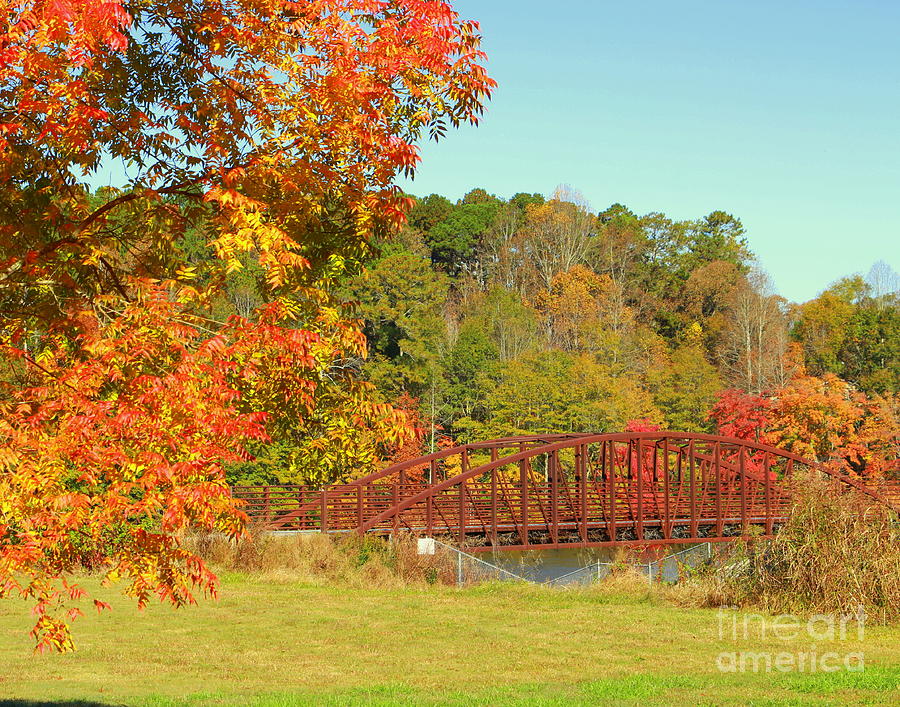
pixel 563 490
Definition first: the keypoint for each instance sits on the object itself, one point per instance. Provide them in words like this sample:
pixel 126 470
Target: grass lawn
pixel 278 642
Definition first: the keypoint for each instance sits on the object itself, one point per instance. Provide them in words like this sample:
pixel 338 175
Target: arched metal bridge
pixel 567 490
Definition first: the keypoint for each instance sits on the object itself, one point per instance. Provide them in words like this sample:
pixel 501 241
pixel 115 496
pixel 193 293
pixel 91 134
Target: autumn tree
pixel 616 252
pixel 556 235
pixel 684 268
pixel 456 240
pixel 500 261
pixel 468 364
pixel 852 329
pixel 274 132
pixel 825 419
pixel 666 242
pixel 707 297
pixel 870 347
pixel 742 415
pixel 620 243
pixel 718 236
pixel 884 285
pixel 555 391
pixel 429 211
pixel 512 325
pixel 820 324
pixel 400 301
pixel 819 417
pixel 686 387
pixel 573 306
pixel 413 445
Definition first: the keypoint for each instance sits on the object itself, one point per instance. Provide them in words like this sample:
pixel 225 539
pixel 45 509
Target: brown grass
pixel 314 558
pixel 838 553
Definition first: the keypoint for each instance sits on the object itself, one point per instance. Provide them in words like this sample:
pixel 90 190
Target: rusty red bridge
pixel 564 490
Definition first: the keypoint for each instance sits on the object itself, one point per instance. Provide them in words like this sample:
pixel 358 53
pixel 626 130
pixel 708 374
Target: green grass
pixel 273 642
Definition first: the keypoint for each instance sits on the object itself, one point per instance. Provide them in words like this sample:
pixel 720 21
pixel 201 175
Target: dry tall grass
pixel 314 558
pixel 839 552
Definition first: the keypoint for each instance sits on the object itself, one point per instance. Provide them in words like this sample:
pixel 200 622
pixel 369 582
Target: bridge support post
pixel 493 537
pixel 395 494
pixel 609 458
pixel 581 471
pixel 667 511
pixel 553 471
pixel 640 490
pixel 692 481
pixel 717 470
pixel 523 499
pixel 742 464
pixel 464 467
pixel 768 492
pixel 462 513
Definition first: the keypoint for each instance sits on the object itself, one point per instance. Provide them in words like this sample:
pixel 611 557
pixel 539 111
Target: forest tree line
pixel 490 317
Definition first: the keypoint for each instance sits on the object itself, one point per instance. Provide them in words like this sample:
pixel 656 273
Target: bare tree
pixel 499 263
pixel 754 355
pixel 884 283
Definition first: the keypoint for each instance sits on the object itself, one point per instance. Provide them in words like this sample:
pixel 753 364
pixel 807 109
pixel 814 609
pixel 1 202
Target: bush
pixel 315 558
pixel 838 553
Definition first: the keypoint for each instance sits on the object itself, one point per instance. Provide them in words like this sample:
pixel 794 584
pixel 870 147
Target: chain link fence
pixel 473 570
pixel 469 569
pixel 667 569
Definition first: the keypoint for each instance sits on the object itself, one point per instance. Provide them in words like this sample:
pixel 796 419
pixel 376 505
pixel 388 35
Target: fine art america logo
pixel 776 632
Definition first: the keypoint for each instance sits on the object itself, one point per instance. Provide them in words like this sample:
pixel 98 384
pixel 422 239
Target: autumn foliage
pixel 265 134
pixel 826 419
pixel 823 419
pixel 412 447
pixel 742 415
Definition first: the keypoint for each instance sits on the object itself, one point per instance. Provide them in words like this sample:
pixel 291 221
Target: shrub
pixel 838 553
pixel 326 559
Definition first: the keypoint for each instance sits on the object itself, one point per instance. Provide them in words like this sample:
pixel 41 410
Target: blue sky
pixel 785 114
